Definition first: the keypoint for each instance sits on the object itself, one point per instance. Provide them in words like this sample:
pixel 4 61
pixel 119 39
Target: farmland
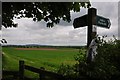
pixel 49 58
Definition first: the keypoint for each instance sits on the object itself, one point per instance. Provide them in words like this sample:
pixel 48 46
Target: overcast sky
pixel 29 32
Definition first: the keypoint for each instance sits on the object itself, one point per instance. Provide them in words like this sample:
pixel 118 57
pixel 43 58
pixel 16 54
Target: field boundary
pixel 43 74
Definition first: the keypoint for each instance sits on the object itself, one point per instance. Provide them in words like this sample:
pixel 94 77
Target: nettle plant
pixel 107 61
pixel 105 65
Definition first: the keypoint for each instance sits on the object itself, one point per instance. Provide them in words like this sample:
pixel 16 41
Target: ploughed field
pixel 49 58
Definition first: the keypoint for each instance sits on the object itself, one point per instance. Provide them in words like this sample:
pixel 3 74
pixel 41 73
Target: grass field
pixel 50 59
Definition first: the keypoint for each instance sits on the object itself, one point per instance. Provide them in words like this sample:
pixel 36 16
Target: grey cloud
pixel 108 10
pixel 119 20
pixel 63 33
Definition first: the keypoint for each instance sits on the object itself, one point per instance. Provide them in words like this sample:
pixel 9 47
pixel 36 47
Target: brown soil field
pixel 35 48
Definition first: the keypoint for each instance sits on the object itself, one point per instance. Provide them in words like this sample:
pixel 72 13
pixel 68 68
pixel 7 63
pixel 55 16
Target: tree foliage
pixel 50 12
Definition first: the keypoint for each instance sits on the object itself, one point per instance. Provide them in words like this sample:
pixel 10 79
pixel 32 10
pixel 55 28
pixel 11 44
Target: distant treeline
pixel 43 46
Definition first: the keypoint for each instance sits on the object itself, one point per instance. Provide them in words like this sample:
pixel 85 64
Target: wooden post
pixel 91 20
pixel 41 75
pixel 21 70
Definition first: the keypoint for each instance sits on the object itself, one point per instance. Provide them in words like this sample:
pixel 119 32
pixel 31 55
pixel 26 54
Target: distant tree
pixel 50 12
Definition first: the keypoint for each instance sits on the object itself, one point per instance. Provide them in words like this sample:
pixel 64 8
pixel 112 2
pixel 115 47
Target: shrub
pixel 104 67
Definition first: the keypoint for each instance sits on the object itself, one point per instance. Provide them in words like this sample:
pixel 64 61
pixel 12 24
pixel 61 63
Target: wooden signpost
pixel 103 22
pixel 89 20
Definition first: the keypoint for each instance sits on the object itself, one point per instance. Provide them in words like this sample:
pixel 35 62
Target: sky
pixel 29 32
